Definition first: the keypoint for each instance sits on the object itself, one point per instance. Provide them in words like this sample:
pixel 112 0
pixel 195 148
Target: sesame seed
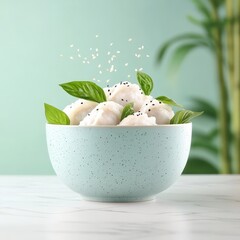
pixel 61 55
pixel 71 45
pixel 99 65
pixel 71 58
pixel 111 44
pixel 108 53
pixel 147 56
pixel 118 51
pixel 97 36
pixel 130 39
pixel 126 64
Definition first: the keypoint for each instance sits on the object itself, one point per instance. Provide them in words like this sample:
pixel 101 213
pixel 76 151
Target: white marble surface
pixel 196 207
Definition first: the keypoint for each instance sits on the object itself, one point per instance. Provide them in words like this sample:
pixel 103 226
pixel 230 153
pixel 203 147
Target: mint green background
pixel 35 33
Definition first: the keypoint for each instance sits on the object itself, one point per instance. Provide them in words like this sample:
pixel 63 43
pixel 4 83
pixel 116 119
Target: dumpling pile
pixel 124 104
pixel 146 110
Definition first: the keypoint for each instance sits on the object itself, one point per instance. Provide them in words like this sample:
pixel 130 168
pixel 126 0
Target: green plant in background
pixel 220 23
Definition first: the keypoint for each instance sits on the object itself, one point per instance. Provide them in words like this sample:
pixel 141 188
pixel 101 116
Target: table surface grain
pixel 196 207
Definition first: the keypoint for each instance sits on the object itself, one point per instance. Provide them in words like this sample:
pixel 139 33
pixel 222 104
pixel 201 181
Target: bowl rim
pixel 117 126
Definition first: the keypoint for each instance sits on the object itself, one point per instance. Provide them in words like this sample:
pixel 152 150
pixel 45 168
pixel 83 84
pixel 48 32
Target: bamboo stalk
pixel 236 91
pixel 225 153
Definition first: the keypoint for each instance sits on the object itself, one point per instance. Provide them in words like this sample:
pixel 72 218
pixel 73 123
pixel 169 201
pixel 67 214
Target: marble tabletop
pixel 196 207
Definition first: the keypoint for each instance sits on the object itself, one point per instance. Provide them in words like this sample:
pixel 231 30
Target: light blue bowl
pixel 119 164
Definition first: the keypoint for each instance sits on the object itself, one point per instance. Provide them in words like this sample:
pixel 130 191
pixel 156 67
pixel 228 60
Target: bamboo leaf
pixel 183 37
pixel 209 136
pixel 209 109
pixel 180 53
pixel 206 145
pixel 203 8
pixel 196 165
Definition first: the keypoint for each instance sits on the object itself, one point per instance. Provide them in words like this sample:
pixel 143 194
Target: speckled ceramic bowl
pixel 119 164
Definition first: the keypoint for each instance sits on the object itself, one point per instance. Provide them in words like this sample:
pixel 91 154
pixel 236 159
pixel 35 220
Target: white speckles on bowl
pixel 119 163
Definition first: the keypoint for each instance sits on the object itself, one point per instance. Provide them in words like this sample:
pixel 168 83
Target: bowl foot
pixel 118 199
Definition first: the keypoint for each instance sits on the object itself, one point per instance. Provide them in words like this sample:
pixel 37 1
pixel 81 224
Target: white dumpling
pixel 124 93
pixel 138 119
pixel 105 113
pixel 79 110
pixel 161 111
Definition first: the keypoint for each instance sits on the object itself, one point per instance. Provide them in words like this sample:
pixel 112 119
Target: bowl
pixel 119 164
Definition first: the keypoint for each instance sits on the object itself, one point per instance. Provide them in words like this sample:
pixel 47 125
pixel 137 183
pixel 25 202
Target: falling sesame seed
pixel 126 64
pixel 130 39
pixel 96 50
pixel 140 69
pixel 111 44
pixel 147 56
pixel 129 76
pixel 109 61
pixel 100 72
pixel 71 45
pixel 115 70
pixel 94 79
pixel 136 70
pixel 108 53
pixel 84 61
pixel 108 80
pixel 142 47
pixel 98 80
pixel 79 55
pixel 71 58
pixel 61 55
pixel 112 68
pixel 97 36
pixel 78 50
pixel 118 52
pixel 99 65
pixel 88 62
pixel 90 49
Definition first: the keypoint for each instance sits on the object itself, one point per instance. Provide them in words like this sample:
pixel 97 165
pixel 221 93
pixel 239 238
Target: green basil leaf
pixel 127 110
pixel 145 82
pixel 85 90
pixel 168 101
pixel 184 116
pixel 56 116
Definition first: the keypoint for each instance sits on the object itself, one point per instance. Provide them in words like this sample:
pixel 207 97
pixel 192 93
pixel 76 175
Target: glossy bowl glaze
pixel 119 164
